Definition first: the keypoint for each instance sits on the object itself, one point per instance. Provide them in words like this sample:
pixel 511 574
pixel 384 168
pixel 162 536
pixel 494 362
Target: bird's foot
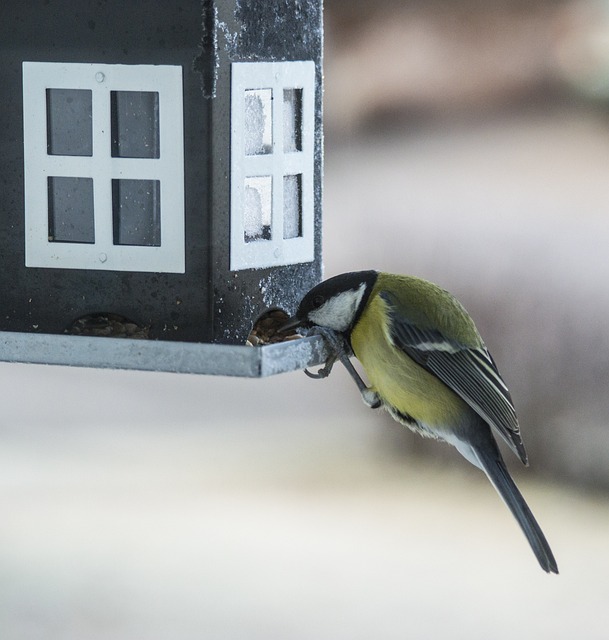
pixel 336 344
pixel 324 372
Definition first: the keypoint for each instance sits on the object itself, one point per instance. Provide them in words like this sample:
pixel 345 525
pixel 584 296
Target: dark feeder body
pixel 124 193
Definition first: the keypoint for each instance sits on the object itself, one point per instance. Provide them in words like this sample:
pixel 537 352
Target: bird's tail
pixel 497 473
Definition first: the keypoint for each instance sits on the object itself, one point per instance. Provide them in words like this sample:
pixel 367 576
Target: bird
pixel 428 366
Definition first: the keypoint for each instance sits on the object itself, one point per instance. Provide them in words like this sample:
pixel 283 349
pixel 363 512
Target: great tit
pixel 428 366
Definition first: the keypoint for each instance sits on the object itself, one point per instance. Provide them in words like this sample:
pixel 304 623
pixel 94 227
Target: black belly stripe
pixel 402 417
pixel 408 421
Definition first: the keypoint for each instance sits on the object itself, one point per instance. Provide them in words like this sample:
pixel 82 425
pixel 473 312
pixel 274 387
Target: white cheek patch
pixel 339 311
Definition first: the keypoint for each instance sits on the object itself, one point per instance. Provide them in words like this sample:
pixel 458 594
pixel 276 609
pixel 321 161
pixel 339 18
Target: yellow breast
pixel 398 380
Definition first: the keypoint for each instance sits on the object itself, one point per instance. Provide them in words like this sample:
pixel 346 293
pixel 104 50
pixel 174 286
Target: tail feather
pixel 497 473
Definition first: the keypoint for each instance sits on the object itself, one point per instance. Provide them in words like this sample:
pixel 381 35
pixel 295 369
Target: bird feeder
pixel 161 181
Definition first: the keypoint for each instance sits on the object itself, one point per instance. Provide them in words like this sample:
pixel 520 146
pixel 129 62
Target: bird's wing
pixel 470 372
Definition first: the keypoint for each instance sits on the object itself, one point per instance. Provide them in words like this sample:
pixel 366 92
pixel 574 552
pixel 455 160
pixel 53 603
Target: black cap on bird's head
pixel 334 303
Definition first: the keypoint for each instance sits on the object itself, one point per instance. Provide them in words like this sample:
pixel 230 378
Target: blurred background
pixel 467 142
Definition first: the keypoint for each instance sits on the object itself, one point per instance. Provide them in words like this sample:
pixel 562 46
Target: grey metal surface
pixel 159 355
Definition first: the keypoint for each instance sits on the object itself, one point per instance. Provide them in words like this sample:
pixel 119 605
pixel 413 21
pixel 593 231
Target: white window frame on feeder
pixel 277 177
pixel 102 169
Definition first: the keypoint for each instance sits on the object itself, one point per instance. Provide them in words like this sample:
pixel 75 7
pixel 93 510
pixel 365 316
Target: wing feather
pixel 470 372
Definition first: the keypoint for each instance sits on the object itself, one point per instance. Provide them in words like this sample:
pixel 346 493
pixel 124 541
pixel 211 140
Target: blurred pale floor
pixel 173 507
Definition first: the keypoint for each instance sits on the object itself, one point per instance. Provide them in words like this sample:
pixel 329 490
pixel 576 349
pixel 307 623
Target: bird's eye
pixel 318 300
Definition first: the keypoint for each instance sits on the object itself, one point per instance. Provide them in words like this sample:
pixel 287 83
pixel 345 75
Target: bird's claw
pixel 336 345
pixel 322 373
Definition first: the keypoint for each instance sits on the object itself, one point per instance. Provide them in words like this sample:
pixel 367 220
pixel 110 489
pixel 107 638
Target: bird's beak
pixel 292 323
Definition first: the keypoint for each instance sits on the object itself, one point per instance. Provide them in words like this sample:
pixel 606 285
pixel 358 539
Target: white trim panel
pixel 272 248
pixel 168 168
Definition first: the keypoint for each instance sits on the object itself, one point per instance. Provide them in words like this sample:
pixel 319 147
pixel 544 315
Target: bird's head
pixel 335 303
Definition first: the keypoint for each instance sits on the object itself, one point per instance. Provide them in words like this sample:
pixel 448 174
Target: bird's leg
pixel 340 351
